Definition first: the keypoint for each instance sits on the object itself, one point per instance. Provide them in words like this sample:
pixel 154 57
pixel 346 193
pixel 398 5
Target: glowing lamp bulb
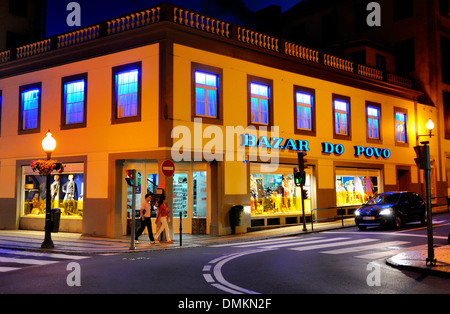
pixel 48 143
pixel 430 125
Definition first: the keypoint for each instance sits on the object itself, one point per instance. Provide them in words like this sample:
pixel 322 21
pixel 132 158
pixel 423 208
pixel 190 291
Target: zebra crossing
pixel 13 260
pixel 364 248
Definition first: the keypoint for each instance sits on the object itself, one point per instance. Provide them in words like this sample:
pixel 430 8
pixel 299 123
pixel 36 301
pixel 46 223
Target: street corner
pixel 416 260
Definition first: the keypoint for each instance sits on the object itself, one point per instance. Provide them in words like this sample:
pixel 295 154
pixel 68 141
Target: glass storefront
pixel 355 186
pixel 273 193
pixel 190 192
pixel 66 191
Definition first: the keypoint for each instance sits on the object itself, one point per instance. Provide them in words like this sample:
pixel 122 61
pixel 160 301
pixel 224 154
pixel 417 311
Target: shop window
pixel 260 101
pixel 180 194
pixel 373 121
pixel 341 111
pixel 400 127
pixel 200 194
pixel 66 191
pixel 74 101
pixel 206 92
pixel 30 108
pixel 304 110
pixel 276 193
pixel 127 93
pixel 356 186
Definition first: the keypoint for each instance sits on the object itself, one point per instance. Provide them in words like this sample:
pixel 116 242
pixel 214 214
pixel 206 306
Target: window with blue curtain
pixel 259 103
pixel 304 103
pixel 400 126
pixel 127 93
pixel 30 109
pixel 74 101
pixel 206 94
pixel 341 117
pixel 373 122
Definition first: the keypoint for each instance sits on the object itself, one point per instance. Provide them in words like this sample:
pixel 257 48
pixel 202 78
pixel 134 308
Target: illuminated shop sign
pixel 249 140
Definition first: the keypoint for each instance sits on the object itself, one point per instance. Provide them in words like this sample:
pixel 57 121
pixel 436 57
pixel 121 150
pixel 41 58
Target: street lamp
pixel 48 144
pixel 430 128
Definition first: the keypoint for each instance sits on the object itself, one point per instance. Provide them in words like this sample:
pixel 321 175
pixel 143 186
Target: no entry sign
pixel 168 168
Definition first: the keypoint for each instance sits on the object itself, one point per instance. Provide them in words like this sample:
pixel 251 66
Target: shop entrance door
pixel 403 179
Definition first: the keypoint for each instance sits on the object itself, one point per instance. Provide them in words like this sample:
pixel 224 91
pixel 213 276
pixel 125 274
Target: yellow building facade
pixel 271 100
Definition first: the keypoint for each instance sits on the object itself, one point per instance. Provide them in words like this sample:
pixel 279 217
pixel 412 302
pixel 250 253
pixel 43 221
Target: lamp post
pixel 48 144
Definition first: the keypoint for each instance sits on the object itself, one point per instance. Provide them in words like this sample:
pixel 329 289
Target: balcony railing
pixel 201 22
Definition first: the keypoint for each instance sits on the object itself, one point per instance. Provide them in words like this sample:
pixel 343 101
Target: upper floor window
pixel 74 101
pixel 260 101
pixel 207 91
pixel 341 110
pixel 30 108
pixel 304 110
pixel 127 93
pixel 206 94
pixel 373 121
pixel 400 126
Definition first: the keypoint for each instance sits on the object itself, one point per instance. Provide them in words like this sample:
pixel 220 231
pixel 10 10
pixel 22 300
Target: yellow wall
pixel 235 113
pixel 100 137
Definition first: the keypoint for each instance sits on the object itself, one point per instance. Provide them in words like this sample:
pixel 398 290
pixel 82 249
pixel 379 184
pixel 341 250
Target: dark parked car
pixel 391 209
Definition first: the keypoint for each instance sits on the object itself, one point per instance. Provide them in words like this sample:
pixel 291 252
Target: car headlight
pixel 386 212
pixel 357 213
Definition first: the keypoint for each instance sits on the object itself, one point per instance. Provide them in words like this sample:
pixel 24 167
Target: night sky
pixel 92 11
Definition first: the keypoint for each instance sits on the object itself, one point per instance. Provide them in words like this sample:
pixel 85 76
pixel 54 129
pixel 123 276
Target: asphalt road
pixel 345 261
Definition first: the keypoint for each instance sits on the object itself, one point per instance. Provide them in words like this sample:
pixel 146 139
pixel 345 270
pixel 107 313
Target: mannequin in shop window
pixel 286 193
pixel 54 189
pixel 69 199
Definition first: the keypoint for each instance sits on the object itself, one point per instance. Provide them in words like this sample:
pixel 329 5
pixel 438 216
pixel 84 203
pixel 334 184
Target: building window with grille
pixel 30 109
pixel 127 93
pixel 74 105
pixel 341 115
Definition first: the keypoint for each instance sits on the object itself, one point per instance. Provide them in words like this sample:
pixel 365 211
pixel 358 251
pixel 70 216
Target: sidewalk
pixel 77 244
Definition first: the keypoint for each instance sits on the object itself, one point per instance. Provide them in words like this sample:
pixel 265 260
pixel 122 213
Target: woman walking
pixel 164 218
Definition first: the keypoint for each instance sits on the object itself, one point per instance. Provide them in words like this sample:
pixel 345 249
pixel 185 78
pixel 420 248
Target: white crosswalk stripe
pixel 365 247
pixel 376 248
pixel 12 260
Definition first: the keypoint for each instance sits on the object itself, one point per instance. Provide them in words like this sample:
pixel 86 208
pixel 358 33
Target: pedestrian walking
pixel 146 221
pixel 164 218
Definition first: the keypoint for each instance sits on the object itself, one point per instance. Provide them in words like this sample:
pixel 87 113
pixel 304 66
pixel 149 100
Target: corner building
pixel 231 106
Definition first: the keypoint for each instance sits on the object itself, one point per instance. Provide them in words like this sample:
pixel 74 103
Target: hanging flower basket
pixel 45 167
